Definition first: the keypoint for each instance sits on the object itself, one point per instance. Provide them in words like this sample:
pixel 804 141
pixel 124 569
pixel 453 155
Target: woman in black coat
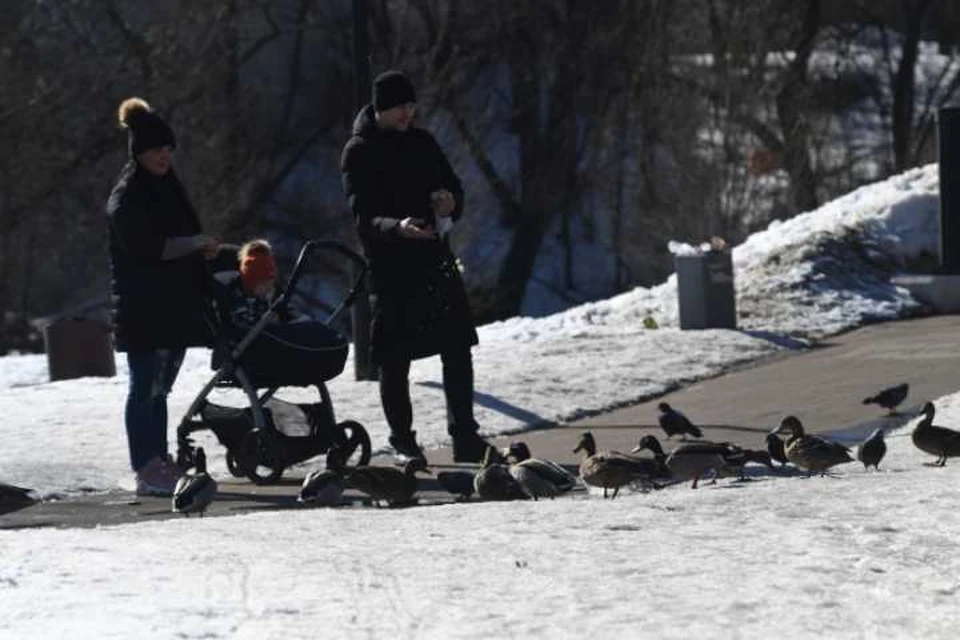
pixel 157 251
pixel 405 197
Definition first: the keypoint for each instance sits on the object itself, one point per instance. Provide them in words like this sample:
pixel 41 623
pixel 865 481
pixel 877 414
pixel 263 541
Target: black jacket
pixel 422 307
pixel 157 303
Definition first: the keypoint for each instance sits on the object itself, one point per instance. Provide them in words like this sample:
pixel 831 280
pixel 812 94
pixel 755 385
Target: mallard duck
pixel 538 478
pixel 14 498
pixel 387 484
pixel 775 448
pixel 324 486
pixel 612 469
pixel 459 483
pixel 692 460
pixel 737 459
pixel 890 397
pixel 871 452
pixel 675 423
pixel 194 492
pixel 811 453
pixel 935 440
pixel 494 482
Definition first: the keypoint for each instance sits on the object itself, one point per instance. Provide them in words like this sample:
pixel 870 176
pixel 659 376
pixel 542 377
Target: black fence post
pixel 363 367
pixel 948 135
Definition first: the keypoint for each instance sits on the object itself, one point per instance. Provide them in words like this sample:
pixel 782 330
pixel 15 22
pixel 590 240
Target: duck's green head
pixel 648 443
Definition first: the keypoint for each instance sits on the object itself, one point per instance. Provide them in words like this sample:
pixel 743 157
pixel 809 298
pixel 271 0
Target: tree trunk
pixel 548 152
pixel 904 83
pixel 791 108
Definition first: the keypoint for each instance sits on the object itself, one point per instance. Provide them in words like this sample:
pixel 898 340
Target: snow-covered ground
pixel 859 555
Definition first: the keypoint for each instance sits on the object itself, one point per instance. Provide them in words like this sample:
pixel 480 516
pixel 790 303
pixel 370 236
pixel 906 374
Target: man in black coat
pixel 157 250
pixel 405 197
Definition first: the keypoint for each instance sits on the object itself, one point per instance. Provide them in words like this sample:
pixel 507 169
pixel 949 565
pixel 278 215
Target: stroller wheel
pixel 259 458
pixel 356 449
pixel 233 465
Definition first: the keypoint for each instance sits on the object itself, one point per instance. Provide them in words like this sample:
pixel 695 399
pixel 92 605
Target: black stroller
pixel 262 440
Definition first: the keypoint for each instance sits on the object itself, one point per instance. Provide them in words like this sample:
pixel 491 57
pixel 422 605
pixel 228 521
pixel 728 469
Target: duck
pixel 674 423
pixel 194 492
pixel 538 478
pixel 493 481
pixel 889 398
pixel 458 483
pixel 872 450
pixel 387 484
pixel 324 486
pixel 738 458
pixel 690 461
pixel 612 469
pixel 808 452
pixel 14 498
pixel 775 448
pixel 934 439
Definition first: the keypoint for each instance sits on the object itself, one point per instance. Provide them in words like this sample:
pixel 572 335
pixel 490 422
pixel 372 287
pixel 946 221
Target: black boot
pixel 405 444
pixel 469 447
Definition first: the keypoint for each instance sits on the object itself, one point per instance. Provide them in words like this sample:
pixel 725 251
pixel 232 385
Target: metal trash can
pixel 79 347
pixel 705 290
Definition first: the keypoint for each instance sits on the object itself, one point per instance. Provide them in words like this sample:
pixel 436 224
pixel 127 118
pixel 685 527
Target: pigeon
pixel 775 448
pixel 934 439
pixel 14 498
pixel 194 492
pixel 675 423
pixel 871 452
pixel 890 397
pixel 459 483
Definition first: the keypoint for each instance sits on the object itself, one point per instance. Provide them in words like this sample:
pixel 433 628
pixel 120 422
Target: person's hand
pixel 443 202
pixel 210 247
pixel 415 229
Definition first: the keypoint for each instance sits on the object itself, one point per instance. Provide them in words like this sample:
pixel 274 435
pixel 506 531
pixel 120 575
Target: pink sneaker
pixel 158 477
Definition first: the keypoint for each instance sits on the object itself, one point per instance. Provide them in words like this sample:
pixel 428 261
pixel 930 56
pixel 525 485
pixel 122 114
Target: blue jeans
pixel 152 374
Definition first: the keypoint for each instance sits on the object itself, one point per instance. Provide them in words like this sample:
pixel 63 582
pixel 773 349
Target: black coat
pixel 421 306
pixel 157 303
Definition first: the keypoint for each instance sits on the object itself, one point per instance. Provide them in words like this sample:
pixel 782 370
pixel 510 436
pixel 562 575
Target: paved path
pixel 823 387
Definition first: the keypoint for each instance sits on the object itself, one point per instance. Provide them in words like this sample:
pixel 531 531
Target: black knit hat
pixel 392 88
pixel 145 129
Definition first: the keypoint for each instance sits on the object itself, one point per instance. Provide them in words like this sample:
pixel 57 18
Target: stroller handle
pixel 309 249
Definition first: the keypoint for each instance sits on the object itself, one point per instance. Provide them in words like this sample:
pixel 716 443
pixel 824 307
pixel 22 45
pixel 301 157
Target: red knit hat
pixel 257 266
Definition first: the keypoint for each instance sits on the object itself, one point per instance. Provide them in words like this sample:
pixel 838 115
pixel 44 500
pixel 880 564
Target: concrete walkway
pixel 823 386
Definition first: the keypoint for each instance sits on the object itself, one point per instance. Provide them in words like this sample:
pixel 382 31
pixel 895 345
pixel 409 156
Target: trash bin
pixel 705 290
pixel 79 347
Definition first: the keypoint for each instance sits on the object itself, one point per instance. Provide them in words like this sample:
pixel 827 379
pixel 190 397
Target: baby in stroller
pixel 254 290
pixel 285 351
pixel 262 343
